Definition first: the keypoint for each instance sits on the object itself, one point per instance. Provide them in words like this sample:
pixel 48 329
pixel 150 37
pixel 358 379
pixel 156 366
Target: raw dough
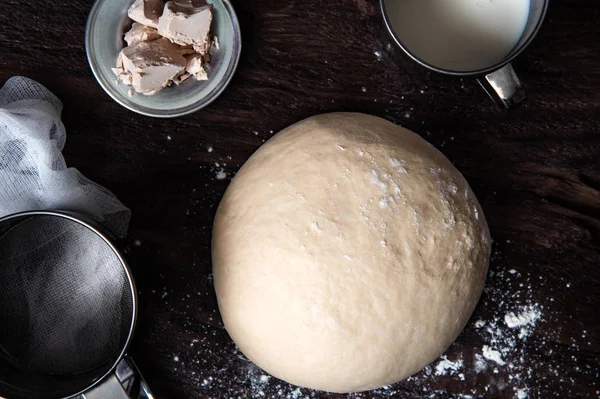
pixel 348 253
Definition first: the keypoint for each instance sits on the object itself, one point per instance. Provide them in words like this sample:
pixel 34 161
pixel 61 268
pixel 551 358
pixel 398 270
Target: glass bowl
pixel 104 32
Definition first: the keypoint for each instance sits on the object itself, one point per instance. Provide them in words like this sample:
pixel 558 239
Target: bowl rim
pixel 153 112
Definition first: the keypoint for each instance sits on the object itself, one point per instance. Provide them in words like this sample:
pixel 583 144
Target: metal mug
pixel 77 292
pixel 499 80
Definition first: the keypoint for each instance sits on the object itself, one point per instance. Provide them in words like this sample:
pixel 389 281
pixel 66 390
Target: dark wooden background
pixel 535 169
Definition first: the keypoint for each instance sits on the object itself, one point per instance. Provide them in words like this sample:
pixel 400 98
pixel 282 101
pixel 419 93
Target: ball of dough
pixel 348 253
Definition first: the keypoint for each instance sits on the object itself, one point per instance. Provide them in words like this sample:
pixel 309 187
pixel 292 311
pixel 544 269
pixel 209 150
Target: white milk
pixel 459 35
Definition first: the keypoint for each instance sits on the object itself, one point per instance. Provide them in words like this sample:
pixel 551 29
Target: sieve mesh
pixel 66 306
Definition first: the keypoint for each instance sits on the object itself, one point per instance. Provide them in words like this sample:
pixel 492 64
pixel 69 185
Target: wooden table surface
pixel 535 170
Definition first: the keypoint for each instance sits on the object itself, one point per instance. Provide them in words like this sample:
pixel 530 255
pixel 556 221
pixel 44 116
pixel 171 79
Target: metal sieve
pixel 68 307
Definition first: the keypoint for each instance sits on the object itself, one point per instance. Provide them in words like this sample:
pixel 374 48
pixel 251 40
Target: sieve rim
pixel 77 218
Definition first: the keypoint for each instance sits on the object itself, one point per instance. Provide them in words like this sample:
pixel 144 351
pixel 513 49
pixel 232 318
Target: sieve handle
pixel 131 378
pixel 109 389
pixel 125 383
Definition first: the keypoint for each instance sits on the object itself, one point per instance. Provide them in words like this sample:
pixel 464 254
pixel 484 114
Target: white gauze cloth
pixel 33 172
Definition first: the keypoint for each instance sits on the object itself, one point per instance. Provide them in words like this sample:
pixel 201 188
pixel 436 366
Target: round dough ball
pixel 348 253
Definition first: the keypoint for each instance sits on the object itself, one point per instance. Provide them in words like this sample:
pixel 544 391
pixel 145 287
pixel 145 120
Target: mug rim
pixel 134 311
pixel 511 56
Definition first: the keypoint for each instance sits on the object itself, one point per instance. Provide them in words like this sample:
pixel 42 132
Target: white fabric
pixel 33 172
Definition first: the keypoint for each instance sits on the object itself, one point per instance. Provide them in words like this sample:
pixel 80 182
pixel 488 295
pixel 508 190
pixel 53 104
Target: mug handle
pixel 125 383
pixel 503 86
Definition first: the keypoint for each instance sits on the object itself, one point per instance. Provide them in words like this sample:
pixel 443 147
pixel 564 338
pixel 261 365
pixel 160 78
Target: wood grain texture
pixel 535 169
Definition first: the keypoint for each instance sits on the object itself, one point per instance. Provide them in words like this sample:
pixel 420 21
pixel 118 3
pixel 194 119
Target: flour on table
pixel 448 367
pixel 480 363
pixel 221 174
pixel 527 317
pixel 521 394
pixel 493 355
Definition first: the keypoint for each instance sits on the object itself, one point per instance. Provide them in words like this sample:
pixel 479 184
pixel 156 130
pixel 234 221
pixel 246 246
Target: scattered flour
pixel 315 227
pixel 446 366
pixel 479 323
pixel 493 355
pixel 527 317
pixel 221 174
pixel 374 176
pixel 521 394
pixel 398 165
pixel 480 364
